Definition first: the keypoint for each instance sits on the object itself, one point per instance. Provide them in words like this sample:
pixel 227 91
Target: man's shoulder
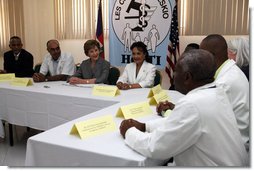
pixel 66 55
pixel 233 74
pixel 8 53
pixel 26 53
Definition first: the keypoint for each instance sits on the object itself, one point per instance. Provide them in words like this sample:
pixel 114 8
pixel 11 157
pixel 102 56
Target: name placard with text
pixel 23 82
pixel 109 91
pixel 134 110
pixel 6 77
pixel 160 97
pixel 154 90
pixel 94 127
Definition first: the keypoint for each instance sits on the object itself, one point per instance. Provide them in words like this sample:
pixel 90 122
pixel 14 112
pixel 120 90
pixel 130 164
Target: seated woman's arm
pixel 149 79
pixel 103 78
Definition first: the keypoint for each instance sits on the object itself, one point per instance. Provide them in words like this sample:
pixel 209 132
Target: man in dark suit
pixel 18 60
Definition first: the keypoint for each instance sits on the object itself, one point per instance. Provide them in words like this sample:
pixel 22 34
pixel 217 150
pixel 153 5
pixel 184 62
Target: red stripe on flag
pixel 173 47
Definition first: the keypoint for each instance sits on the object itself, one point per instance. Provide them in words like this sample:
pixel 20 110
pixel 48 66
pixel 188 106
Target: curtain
pixel 11 22
pixel 202 17
pixel 76 19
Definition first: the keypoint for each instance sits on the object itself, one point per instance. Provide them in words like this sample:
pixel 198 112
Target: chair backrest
pixel 37 68
pixel 157 78
pixel 113 75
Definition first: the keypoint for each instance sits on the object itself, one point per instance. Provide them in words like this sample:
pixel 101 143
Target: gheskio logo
pixel 141 20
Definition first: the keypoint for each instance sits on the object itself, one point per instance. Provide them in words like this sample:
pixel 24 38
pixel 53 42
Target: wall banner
pixel 139 20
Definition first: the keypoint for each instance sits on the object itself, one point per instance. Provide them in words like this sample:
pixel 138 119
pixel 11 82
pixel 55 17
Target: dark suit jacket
pixel 23 67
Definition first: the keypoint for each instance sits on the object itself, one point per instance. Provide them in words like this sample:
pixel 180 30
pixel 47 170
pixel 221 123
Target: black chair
pixel 157 78
pixel 37 68
pixel 113 75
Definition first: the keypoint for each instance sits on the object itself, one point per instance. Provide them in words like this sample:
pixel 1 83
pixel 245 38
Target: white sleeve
pixel 177 133
pixel 44 66
pixel 149 79
pixel 69 66
pixel 124 77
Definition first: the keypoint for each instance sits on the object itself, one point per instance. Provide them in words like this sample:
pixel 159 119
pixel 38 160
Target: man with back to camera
pixel 233 80
pixel 18 60
pixel 201 130
pixel 58 65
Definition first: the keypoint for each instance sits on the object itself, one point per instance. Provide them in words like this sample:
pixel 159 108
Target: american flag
pixel 99 30
pixel 173 46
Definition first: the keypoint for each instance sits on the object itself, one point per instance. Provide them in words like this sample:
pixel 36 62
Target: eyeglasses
pixel 55 49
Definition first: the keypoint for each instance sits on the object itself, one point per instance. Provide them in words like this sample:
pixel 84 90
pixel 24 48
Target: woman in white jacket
pixel 139 73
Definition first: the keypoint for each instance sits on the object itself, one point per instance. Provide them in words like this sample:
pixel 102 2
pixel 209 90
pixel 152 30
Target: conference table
pixel 55 107
pixel 46 105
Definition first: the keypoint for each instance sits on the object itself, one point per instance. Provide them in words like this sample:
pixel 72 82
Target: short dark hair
pixel 89 44
pixel 200 63
pixel 141 46
pixel 15 37
pixel 191 46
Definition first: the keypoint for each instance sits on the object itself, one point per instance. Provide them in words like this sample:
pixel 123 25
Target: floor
pixel 15 155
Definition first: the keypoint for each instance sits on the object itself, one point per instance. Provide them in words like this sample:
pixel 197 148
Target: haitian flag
pixel 99 30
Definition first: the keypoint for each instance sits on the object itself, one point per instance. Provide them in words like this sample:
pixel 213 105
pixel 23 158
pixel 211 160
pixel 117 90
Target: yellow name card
pixel 109 91
pixel 134 110
pixel 94 127
pixel 6 77
pixel 160 97
pixel 21 82
pixel 154 90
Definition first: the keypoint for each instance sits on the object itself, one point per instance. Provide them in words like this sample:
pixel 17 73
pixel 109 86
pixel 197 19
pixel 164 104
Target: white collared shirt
pixel 200 131
pixel 65 65
pixel 236 86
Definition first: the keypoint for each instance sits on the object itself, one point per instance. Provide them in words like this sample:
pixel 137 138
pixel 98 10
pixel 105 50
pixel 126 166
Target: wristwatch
pixel 129 86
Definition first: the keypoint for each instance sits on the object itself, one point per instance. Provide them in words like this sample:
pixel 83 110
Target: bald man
pixel 201 130
pixel 57 66
pixel 233 81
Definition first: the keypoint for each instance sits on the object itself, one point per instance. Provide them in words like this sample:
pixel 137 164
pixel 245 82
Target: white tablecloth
pixel 56 147
pixel 46 105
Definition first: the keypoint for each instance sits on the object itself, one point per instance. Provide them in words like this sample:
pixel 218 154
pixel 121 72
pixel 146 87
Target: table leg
pixel 10 134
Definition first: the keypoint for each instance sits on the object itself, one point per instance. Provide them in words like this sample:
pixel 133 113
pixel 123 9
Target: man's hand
pixel 38 77
pixel 128 123
pixel 164 106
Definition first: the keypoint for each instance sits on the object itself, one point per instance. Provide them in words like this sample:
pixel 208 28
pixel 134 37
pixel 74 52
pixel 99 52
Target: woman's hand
pixel 75 80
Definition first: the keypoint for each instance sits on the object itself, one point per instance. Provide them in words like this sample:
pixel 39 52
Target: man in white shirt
pixel 201 130
pixel 56 64
pixel 233 80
